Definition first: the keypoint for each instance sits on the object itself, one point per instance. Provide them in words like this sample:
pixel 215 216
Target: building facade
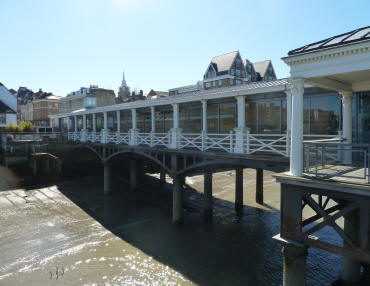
pixel 42 108
pixel 86 98
pixel 230 70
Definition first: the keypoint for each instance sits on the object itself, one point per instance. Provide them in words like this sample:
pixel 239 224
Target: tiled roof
pixel 358 35
pixel 261 67
pixel 223 62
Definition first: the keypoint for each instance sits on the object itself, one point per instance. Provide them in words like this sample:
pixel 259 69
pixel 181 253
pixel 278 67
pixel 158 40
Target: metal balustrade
pixel 337 159
pixel 252 143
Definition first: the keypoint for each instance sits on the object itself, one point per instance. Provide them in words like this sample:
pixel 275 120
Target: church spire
pixel 124 86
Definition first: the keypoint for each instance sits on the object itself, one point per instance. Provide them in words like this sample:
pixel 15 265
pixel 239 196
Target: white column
pixel 240 100
pixel 347 124
pixel 133 131
pixel 83 131
pixel 133 112
pixel 68 124
pixel 105 120
pixel 240 131
pixel 118 113
pixel 105 128
pixel 204 116
pixel 175 131
pixel 94 122
pixel 75 120
pixel 288 110
pixel 296 155
pixel 175 107
pixel 152 112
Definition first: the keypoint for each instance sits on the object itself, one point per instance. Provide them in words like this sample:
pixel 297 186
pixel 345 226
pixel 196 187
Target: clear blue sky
pixel 160 44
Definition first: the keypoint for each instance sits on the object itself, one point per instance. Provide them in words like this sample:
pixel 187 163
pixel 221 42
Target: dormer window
pixel 232 72
pixel 249 68
pixel 238 63
pixel 270 70
pixel 238 73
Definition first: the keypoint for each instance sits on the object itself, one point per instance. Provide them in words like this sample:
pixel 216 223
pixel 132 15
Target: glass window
pixel 249 68
pixel 324 114
pixel 269 117
pixel 231 81
pixel 220 82
pixel 232 72
pixel 238 63
pixel 363 117
pixel 227 117
pixel 208 84
pixel 243 73
pixel 251 116
pixel 191 119
pixel 126 120
pixel 212 118
pixel 168 121
pixel 159 122
pixel 213 83
pixel 238 73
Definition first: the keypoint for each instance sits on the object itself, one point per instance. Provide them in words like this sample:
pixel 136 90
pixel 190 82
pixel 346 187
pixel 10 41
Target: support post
pixel 152 113
pixel 68 124
pixel 204 116
pixel 75 122
pixel 259 186
pixel 105 129
pixel 133 175
pixel 296 155
pixel 107 187
pixel 239 190
pixel 350 266
pixel 208 200
pixel 177 200
pixel 94 122
pixel 118 113
pixel 288 110
pixel 133 131
pixel 347 125
pixel 84 130
pixel 294 265
pixel 175 131
pixel 241 130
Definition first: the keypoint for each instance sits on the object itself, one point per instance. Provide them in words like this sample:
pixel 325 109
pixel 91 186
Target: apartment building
pixel 229 70
pixel 86 98
pixel 8 107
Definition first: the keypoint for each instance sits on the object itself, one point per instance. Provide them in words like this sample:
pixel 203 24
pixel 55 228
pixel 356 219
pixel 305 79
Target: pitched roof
pixel 358 35
pixel 5 108
pixel 261 67
pixel 223 62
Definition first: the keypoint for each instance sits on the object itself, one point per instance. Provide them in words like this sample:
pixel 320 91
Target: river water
pixel 71 234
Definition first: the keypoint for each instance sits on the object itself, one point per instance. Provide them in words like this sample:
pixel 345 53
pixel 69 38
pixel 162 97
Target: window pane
pixel 364 117
pixel 212 118
pixel 159 123
pixel 194 124
pixel 325 113
pixel 269 117
pixel 227 117
pixel 168 121
pixel 251 116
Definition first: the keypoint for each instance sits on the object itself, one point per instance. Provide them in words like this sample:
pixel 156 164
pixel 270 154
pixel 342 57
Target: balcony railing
pixel 337 160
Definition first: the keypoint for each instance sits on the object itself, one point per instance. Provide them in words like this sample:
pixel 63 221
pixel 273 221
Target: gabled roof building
pixel 8 107
pixel 229 69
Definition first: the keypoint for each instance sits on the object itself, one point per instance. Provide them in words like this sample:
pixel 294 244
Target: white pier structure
pixel 210 120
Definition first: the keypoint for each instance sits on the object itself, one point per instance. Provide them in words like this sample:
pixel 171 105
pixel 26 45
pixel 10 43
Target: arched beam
pixel 154 160
pixel 87 147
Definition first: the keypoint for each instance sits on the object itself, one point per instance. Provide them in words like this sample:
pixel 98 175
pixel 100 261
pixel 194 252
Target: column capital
pixel 204 101
pixel 346 94
pixel 297 85
pixel 175 105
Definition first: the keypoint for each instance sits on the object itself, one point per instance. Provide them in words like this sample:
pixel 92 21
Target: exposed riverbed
pixel 70 234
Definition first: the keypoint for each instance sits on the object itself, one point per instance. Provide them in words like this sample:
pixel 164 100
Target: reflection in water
pixel 70 234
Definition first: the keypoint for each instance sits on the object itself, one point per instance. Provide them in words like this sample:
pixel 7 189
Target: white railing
pixel 204 141
pixel 268 143
pixel 278 144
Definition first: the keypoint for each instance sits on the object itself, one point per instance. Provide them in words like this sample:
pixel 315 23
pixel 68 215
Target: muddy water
pixel 70 234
